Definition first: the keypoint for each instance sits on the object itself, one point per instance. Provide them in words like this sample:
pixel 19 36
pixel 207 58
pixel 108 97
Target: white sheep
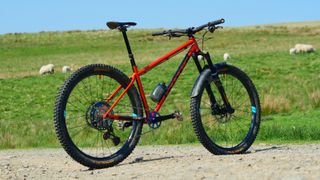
pixel 66 69
pixel 49 68
pixel 292 51
pixel 226 56
pixel 302 48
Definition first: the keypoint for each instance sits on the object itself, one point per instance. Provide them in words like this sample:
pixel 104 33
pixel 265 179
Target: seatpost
pixel 126 40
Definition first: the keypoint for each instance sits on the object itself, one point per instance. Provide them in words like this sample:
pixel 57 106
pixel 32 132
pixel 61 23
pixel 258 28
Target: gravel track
pixel 170 162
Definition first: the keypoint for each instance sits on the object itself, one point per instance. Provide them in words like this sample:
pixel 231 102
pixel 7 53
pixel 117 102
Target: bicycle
pixel 99 113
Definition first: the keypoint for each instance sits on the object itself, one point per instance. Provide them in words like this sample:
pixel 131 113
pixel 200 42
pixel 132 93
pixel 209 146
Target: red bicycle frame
pixel 136 77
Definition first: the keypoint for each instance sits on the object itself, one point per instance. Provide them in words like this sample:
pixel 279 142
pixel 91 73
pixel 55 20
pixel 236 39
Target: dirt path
pixel 170 162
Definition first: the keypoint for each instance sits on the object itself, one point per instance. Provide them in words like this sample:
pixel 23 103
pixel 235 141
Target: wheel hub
pixel 222 115
pixel 94 116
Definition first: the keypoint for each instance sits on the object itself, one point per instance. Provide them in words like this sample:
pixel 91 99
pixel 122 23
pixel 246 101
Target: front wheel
pixel 219 130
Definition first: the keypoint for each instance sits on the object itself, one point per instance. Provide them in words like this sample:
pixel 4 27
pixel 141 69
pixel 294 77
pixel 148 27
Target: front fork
pixel 216 109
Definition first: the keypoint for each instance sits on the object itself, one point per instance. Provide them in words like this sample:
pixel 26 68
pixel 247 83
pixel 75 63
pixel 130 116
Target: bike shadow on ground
pixel 141 159
pixel 253 151
pixel 262 149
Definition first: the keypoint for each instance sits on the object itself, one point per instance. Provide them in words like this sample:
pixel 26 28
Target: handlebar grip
pixel 220 21
pixel 158 33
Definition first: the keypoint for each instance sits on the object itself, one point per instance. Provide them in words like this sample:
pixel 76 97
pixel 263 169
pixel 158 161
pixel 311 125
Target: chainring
pixel 151 122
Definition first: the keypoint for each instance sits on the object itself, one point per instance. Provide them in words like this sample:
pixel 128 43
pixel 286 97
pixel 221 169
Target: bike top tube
pixel 167 56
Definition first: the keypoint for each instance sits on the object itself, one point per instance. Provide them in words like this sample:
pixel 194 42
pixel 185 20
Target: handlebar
pixel 159 33
pixel 212 23
pixel 174 33
pixel 192 30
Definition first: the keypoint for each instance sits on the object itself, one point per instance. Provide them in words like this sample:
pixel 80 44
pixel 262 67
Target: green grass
pixel 289 86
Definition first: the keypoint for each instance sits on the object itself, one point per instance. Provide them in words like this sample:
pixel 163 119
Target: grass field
pixel 288 85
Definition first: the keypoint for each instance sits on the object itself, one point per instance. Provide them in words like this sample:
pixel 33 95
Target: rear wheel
pixel 220 131
pixel 87 138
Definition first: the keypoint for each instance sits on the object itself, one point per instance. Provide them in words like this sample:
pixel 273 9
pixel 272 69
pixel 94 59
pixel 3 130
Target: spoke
pixel 76 104
pixel 96 144
pixel 225 137
pixel 107 144
pixel 108 85
pixel 241 100
pixel 239 89
pixel 84 95
pixel 75 127
pixel 77 132
pixel 243 111
pixel 97 95
pixel 232 95
pixel 88 89
pixel 76 107
pixel 74 110
pixel 75 117
pixel 102 145
pixel 102 85
pixel 241 126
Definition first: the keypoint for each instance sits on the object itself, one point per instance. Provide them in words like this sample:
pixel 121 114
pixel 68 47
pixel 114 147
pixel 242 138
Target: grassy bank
pixel 289 85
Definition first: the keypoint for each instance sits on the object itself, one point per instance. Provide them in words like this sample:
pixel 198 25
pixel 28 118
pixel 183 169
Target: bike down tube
pixel 194 48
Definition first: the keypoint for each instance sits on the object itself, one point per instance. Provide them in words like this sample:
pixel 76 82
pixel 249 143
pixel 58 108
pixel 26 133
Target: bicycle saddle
pixel 115 25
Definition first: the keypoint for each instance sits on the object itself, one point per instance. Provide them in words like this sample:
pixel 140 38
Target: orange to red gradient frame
pixel 136 77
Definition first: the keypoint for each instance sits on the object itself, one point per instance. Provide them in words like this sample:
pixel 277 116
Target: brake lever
pixel 213 28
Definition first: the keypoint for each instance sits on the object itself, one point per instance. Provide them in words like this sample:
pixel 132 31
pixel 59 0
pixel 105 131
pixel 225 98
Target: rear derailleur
pixel 109 134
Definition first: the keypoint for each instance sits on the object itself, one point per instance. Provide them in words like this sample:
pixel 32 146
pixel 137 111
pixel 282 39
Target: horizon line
pixel 292 23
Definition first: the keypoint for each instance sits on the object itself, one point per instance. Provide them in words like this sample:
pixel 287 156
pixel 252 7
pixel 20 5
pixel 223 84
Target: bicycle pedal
pixel 178 115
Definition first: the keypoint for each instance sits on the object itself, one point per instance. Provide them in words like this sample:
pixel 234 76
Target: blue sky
pixel 59 15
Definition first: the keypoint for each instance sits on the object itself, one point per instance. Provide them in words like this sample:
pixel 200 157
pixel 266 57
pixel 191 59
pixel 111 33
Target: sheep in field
pixel 302 48
pixel 292 51
pixel 47 69
pixel 226 56
pixel 66 69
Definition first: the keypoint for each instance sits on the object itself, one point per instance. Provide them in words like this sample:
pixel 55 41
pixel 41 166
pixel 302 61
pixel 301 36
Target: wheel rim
pixel 229 130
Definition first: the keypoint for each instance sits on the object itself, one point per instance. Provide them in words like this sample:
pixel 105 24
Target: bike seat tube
pixel 126 40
